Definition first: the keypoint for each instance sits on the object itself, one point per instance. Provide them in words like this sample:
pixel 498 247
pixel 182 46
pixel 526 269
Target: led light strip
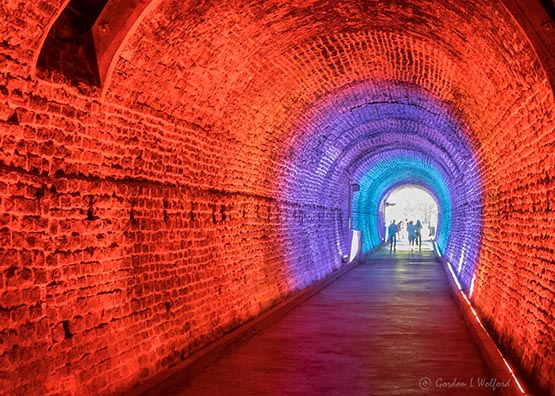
pixel 449 266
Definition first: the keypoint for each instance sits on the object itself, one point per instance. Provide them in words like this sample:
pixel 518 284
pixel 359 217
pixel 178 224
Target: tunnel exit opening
pixel 414 209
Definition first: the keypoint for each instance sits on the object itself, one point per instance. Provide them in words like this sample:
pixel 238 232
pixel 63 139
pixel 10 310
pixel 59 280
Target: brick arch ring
pixel 406 136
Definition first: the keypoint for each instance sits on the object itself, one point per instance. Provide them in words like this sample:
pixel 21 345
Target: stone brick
pixel 137 228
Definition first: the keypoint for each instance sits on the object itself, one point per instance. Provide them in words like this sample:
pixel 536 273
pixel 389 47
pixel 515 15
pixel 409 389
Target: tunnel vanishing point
pixel 170 170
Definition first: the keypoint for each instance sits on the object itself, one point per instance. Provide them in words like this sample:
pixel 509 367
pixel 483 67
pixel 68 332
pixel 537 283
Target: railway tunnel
pixel 170 170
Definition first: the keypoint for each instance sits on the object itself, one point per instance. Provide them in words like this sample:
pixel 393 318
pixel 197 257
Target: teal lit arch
pixel 388 174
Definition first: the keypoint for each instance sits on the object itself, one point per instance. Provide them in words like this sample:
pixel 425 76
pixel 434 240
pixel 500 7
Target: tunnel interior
pixel 404 135
pixel 192 170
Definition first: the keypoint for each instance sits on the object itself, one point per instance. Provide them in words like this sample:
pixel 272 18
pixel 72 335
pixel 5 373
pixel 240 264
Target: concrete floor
pixel 388 327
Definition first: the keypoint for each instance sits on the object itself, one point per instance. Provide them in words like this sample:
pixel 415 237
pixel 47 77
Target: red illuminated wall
pixel 142 220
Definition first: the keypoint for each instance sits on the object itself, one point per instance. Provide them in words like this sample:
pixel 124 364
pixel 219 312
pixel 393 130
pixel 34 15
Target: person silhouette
pixel 392 231
pixel 419 234
pixel 411 228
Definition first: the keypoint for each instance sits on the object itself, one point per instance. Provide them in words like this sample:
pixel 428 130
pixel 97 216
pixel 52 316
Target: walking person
pixel 411 229
pixel 392 231
pixel 401 228
pixel 419 234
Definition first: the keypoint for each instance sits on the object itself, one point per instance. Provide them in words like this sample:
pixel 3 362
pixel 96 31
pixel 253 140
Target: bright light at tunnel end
pixel 476 316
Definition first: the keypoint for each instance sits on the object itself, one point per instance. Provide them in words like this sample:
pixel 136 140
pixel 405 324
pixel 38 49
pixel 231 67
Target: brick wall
pixel 137 229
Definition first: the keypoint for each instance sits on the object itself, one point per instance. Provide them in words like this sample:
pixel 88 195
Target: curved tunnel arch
pixel 407 137
pixel 399 171
pixel 201 138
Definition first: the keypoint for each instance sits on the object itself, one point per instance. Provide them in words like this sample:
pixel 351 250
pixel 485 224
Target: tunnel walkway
pixel 390 326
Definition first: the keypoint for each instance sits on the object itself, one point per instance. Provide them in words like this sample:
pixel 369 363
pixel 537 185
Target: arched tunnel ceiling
pixel 289 98
pixel 226 69
pixel 182 48
pixel 348 128
pixel 225 136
